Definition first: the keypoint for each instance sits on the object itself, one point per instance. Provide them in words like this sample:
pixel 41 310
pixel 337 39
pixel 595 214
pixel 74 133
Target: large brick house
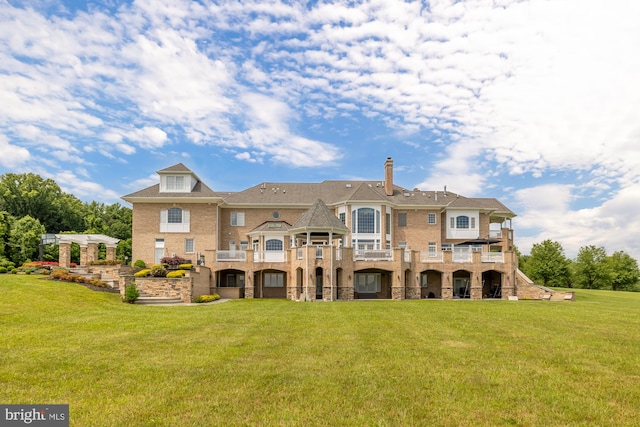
pixel 333 240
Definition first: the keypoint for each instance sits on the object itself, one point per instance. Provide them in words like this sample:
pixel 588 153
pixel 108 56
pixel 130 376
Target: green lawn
pixel 277 362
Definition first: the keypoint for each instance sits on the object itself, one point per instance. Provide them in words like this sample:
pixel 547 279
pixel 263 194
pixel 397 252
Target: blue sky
pixel 533 102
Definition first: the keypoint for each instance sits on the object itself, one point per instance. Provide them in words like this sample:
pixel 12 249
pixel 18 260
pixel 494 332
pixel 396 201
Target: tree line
pixel 31 206
pixel 591 269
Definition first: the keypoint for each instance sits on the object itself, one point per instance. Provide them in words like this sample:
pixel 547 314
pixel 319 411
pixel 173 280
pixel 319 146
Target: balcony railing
pixel 492 257
pixel 462 254
pixel 373 255
pixel 270 256
pixel 496 234
pixel 231 256
pixel 426 256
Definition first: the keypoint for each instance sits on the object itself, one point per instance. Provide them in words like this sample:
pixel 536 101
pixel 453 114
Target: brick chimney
pixel 388 177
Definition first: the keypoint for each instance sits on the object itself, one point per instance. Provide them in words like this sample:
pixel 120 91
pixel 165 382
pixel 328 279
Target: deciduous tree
pixel 592 269
pixel 548 264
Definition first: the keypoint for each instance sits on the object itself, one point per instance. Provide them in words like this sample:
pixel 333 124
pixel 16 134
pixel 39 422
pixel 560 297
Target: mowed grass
pixel 282 363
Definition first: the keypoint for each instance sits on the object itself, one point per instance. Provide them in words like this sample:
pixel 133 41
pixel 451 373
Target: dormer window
pixel 175 184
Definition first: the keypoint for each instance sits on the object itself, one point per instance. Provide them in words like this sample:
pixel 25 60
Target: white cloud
pixel 71 183
pixel 12 155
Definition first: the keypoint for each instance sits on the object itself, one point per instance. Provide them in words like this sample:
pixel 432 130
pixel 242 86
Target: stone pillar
pixel 249 286
pixel 345 287
pixel 64 255
pixel 447 286
pixel 92 253
pixel 111 252
pixel 397 275
pixel 83 255
pixel 476 286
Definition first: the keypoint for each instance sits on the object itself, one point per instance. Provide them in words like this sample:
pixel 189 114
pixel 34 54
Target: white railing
pixel 492 257
pixel 373 255
pixel 495 234
pixel 269 256
pixel 231 256
pixel 462 254
pixel 426 256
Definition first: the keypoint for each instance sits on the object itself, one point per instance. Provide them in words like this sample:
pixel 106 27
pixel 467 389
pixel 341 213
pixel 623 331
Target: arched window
pixel 174 216
pixel 273 245
pixel 462 221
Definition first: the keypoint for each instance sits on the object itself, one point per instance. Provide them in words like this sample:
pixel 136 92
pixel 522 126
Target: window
pixel 343 217
pixel 431 218
pixel 387 223
pixel 273 280
pixel 175 183
pixel 432 249
pixel 402 245
pixel 473 222
pixel 368 283
pixel 366 220
pixel 273 245
pixel 174 220
pixel 402 219
pixel 174 216
pixel 237 219
pixel 462 221
pixel 189 246
pixel 244 244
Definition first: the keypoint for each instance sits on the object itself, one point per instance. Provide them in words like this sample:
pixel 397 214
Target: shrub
pixel 206 298
pixel 131 293
pixel 7 264
pixel 143 273
pixel 3 270
pixel 106 262
pixel 139 264
pixel 174 261
pixel 158 270
pixel 186 266
pixel 58 273
pixel 176 274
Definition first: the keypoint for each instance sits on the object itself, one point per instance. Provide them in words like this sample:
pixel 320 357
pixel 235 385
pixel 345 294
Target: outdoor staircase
pixel 145 300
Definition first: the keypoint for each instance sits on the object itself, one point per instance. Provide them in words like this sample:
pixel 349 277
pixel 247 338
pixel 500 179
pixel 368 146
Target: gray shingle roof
pixel 319 217
pixel 295 194
pixel 200 190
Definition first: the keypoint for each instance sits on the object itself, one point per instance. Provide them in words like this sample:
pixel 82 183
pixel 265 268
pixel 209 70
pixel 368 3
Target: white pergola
pixel 88 247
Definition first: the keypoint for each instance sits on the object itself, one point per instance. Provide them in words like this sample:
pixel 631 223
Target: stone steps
pixel 158 300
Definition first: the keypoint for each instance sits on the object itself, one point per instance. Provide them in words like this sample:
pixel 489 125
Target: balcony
pixel 373 255
pixel 270 256
pixel 462 254
pixel 231 256
pixel 493 257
